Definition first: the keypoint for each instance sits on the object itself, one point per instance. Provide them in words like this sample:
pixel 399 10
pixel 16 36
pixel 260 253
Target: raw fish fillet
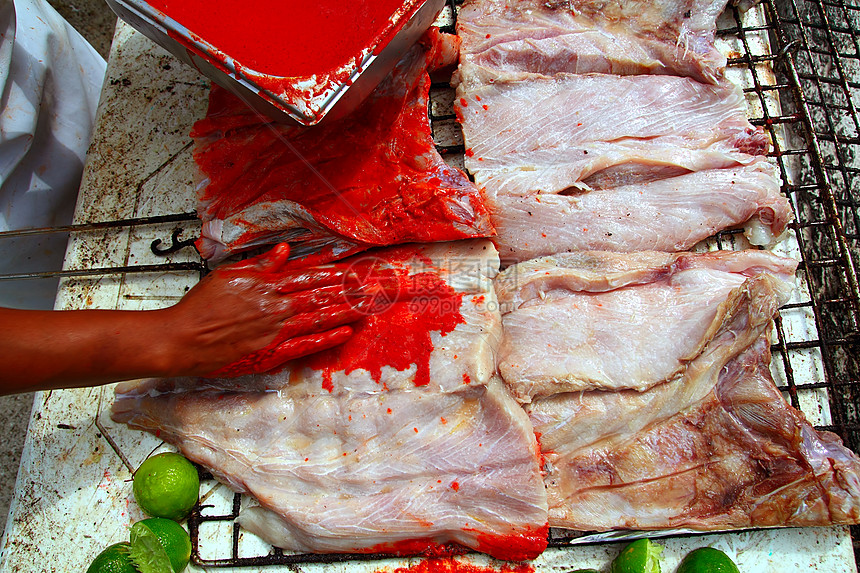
pixel 738 457
pixel 714 446
pixel 671 214
pixel 602 162
pixel 373 178
pixel 354 450
pixel 505 39
pixel 552 133
pixel 598 320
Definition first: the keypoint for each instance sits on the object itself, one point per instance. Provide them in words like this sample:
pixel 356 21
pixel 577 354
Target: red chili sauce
pixel 518 546
pixel 454 566
pixel 373 177
pixel 399 323
pixel 522 545
pixel 289 38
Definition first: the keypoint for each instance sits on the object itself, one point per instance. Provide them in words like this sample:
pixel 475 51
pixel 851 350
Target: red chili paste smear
pixel 372 178
pixel 289 38
pixel 327 382
pixel 423 547
pixel 508 548
pixel 397 329
pixel 520 546
pixel 454 566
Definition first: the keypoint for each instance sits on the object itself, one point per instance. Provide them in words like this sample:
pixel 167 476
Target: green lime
pixel 707 560
pixel 114 559
pixel 158 545
pixel 641 556
pixel 166 485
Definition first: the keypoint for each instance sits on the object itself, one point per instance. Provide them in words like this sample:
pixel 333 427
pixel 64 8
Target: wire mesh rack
pixel 800 68
pixel 818 66
pixel 796 63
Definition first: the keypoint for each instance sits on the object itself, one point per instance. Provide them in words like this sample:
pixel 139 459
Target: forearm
pixel 249 317
pixel 41 350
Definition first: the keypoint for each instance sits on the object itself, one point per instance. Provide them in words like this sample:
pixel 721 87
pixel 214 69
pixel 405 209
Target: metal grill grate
pixel 158 247
pixel 821 68
pixel 800 65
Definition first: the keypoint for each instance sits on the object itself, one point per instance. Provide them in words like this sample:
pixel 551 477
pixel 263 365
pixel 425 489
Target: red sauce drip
pixel 398 334
pixel 316 37
pixel 458 112
pixel 541 453
pixel 425 547
pixel 455 485
pixel 454 566
pixel 520 546
pixel 327 382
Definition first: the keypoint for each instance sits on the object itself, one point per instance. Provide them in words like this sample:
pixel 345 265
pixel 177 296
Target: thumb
pixel 275 259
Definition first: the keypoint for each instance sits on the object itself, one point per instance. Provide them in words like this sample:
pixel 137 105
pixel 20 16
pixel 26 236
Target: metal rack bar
pixel 156 248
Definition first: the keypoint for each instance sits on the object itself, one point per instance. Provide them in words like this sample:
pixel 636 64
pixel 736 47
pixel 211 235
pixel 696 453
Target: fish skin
pixel 710 446
pixel 621 37
pixel 372 178
pixel 592 320
pixel 345 462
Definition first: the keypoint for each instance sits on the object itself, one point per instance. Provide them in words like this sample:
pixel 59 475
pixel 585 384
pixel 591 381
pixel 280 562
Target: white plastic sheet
pixel 51 79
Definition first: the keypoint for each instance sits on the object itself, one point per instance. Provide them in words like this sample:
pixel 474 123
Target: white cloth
pixel 51 79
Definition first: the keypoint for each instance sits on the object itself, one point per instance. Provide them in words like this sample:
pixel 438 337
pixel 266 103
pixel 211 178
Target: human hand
pixel 255 315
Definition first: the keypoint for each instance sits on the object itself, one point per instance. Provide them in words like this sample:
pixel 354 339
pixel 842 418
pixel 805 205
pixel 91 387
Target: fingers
pixel 277 354
pixel 271 261
pixel 286 280
pixel 384 289
pixel 313 278
pixel 332 295
pixel 313 300
pixel 275 259
pixel 305 345
pixel 322 319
